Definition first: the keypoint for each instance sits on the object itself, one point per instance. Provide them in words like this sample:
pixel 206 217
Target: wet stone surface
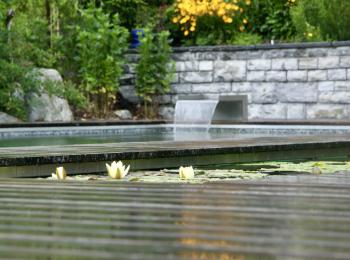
pixel 40 155
pixel 288 216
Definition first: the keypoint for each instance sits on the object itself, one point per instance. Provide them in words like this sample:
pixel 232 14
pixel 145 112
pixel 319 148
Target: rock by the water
pixel 167 112
pixel 45 107
pixel 123 114
pixel 6 118
pixel 49 108
pixel 129 93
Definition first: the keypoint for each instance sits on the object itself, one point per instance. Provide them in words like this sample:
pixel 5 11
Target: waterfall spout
pixel 198 113
pixel 195 112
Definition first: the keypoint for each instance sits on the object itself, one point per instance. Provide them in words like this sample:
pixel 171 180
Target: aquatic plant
pixel 186 173
pixel 117 170
pixel 60 174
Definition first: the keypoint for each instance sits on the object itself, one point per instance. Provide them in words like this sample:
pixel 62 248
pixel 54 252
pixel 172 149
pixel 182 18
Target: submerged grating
pixel 306 217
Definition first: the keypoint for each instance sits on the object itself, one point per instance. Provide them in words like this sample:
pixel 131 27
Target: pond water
pixel 47 136
pixel 71 140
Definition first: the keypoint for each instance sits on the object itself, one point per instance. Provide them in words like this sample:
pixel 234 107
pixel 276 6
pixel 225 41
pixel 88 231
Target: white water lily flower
pixel 117 170
pixel 186 173
pixel 60 174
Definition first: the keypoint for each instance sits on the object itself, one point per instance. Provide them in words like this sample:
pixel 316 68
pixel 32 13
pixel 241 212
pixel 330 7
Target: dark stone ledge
pixel 134 151
pixel 233 48
pixel 83 123
pixel 330 122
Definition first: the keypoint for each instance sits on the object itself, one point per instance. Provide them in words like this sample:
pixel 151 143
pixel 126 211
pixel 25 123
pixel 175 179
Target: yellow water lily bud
pixel 186 173
pixel 60 174
pixel 117 170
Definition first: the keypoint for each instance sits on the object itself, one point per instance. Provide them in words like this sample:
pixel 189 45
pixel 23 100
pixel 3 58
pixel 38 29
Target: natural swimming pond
pixel 271 170
pixel 48 136
pixel 28 152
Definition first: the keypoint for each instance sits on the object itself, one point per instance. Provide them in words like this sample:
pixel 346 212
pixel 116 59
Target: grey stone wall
pixel 289 81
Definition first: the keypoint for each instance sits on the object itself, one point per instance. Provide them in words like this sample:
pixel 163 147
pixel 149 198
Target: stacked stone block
pixel 295 82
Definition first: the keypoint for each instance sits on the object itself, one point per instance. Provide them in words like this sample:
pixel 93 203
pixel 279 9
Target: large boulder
pixel 166 112
pixel 123 114
pixel 128 93
pixel 49 108
pixel 5 118
pixel 45 107
pixel 49 75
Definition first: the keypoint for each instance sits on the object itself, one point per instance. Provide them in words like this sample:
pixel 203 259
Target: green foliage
pixel 85 41
pixel 212 30
pixel 322 19
pixel 134 13
pixel 126 9
pixel 271 19
pixel 155 69
pixel 247 39
pixel 67 90
pixel 304 30
pixel 100 45
pixel 29 38
pixel 15 80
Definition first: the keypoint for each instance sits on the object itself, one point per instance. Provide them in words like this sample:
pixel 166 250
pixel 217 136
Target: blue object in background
pixel 135 37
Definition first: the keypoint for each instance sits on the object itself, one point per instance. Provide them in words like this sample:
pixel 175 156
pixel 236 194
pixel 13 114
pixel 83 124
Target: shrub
pixel 304 30
pixel 155 69
pixel 68 90
pixel 246 39
pixel 101 45
pixel 127 10
pixel 16 79
pixel 322 19
pixel 15 83
pixel 271 19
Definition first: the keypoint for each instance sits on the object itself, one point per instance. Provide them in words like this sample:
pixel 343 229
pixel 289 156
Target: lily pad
pixel 233 172
pixel 317 167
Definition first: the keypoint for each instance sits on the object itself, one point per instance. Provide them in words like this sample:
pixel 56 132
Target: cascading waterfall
pixel 193 115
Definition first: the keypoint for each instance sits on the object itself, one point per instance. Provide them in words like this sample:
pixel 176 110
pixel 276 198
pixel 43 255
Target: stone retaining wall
pixel 289 81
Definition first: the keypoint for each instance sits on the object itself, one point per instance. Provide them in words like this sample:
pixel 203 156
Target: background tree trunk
pixel 49 21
